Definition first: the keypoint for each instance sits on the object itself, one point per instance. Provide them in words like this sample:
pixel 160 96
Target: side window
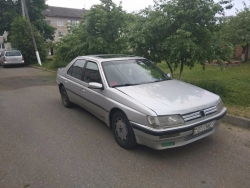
pixel 77 68
pixel 92 73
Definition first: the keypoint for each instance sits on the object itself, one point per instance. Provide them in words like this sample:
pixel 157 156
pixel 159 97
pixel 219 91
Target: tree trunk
pixel 247 49
pixel 243 57
pixel 181 70
pixel 170 68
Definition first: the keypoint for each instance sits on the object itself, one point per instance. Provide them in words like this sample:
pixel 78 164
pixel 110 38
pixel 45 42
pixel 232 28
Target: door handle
pixel 65 81
pixel 83 89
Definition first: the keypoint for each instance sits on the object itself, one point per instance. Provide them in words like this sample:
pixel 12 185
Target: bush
pixel 21 39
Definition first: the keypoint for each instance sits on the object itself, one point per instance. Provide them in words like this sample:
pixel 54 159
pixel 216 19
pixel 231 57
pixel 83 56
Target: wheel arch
pixel 111 114
pixel 60 86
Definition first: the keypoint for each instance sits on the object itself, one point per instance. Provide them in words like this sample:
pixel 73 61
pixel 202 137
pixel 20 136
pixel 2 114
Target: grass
pixel 48 64
pixel 231 83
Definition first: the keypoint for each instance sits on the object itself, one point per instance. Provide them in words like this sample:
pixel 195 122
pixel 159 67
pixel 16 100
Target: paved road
pixel 43 144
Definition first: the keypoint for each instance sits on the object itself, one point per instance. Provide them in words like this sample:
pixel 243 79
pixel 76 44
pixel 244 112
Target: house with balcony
pixel 60 18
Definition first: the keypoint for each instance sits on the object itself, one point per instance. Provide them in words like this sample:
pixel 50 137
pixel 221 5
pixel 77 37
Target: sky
pixel 128 5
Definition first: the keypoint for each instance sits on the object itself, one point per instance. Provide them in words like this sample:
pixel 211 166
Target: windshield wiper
pixel 159 80
pixel 121 85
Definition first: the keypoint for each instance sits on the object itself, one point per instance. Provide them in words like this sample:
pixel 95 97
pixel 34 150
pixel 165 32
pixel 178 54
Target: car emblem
pixel 203 113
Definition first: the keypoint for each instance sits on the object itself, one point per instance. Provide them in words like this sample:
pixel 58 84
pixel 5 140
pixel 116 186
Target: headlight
pixel 219 106
pixel 165 121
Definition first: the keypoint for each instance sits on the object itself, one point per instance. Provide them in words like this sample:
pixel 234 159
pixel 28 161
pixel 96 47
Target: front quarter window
pixel 92 73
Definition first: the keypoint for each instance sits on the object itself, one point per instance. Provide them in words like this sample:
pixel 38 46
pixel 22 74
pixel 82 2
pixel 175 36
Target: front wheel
pixel 65 99
pixel 123 133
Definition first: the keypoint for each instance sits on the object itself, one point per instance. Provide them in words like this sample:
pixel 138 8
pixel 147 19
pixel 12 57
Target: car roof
pixel 108 57
pixel 12 51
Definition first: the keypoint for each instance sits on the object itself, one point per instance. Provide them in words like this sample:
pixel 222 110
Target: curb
pixel 237 121
pixel 228 118
pixel 42 68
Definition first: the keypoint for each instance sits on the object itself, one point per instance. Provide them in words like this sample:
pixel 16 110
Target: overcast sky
pixel 128 5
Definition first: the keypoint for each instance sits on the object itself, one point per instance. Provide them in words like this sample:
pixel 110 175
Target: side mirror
pixel 95 85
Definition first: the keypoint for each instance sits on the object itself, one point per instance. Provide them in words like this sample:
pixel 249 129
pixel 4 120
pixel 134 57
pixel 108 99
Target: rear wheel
pixel 122 130
pixel 65 99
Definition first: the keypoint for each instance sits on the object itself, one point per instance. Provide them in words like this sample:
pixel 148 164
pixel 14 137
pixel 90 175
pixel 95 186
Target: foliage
pixel 237 29
pixel 180 32
pixel 230 84
pixel 10 9
pixel 48 64
pixel 100 32
pixel 21 40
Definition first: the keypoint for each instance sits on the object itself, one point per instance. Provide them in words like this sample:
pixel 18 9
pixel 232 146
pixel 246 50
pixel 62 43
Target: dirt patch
pixel 18 82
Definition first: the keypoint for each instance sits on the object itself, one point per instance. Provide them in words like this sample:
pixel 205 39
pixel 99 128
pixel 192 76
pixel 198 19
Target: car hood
pixel 171 97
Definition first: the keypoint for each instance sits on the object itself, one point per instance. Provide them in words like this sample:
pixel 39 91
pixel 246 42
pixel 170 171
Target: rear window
pixel 13 54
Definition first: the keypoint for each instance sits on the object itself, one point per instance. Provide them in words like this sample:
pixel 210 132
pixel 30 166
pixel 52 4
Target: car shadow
pixel 14 66
pixel 190 150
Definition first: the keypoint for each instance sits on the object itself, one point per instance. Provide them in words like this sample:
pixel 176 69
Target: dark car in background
pixel 10 57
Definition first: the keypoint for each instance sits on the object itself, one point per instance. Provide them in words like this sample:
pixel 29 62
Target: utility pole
pixel 22 4
pixel 32 33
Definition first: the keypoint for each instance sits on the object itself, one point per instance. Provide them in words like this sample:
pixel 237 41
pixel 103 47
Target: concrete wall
pixel 3 38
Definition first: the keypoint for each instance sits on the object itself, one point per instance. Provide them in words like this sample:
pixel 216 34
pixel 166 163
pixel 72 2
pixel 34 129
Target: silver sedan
pixel 139 102
pixel 11 57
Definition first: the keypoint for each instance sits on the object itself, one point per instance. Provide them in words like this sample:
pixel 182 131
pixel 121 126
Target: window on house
pixel 2 46
pixel 59 22
pixel 60 34
pixel 73 22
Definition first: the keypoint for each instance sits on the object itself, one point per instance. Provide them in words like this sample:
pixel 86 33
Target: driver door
pixel 95 98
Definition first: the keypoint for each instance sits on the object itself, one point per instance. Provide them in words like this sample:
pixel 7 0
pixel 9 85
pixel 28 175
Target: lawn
pixel 48 64
pixel 231 83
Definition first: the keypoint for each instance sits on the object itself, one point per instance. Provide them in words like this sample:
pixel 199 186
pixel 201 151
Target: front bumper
pixel 175 136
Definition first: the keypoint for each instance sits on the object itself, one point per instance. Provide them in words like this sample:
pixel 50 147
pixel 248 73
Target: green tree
pixel 10 9
pixel 237 30
pixel 146 35
pixel 100 32
pixel 181 32
pixel 21 40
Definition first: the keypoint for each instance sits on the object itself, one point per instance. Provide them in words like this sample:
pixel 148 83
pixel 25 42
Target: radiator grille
pixel 199 114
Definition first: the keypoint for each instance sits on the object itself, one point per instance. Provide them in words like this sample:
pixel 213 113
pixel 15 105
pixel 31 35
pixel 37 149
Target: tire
pixel 65 99
pixel 122 130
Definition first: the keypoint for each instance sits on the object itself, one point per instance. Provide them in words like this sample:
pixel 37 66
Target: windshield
pixel 132 72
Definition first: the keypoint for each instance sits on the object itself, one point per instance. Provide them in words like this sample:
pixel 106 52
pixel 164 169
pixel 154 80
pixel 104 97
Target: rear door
pixel 73 81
